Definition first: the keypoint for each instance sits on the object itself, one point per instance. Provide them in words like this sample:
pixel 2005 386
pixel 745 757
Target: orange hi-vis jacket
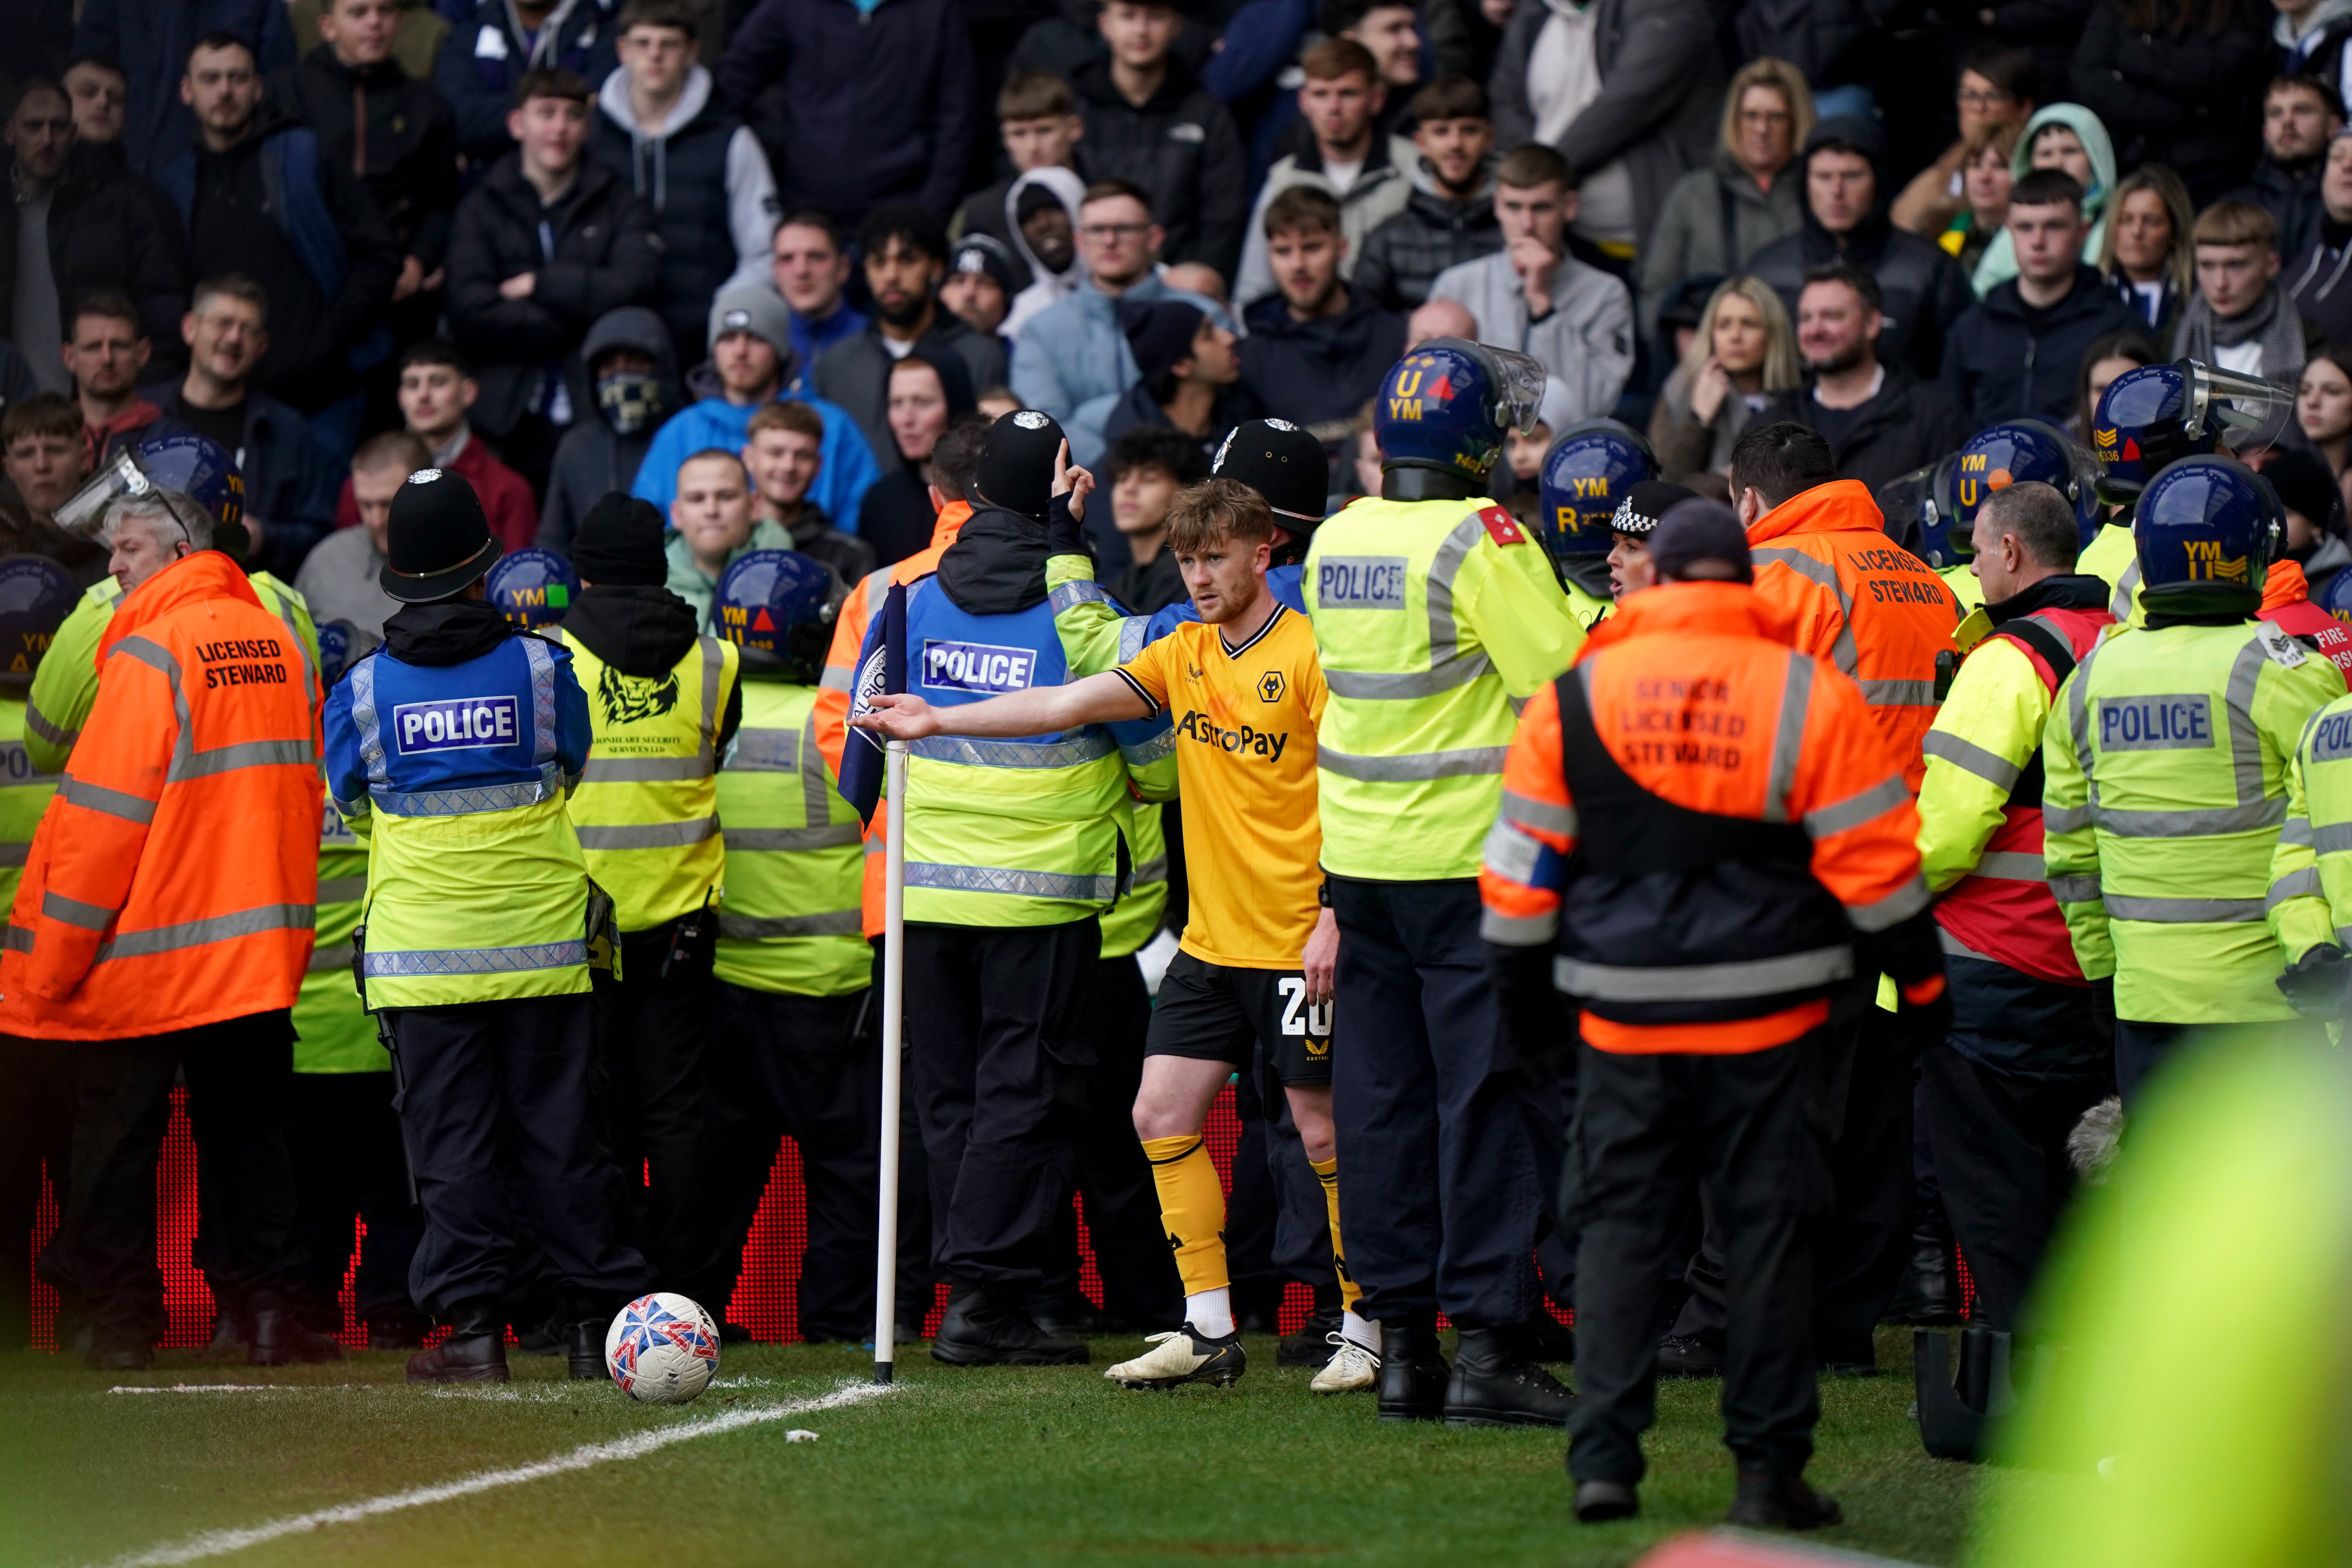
pixel 1862 601
pixel 2286 600
pixel 840 671
pixel 174 880
pixel 1705 824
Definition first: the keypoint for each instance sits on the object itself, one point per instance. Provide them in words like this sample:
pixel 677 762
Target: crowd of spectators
pixel 563 247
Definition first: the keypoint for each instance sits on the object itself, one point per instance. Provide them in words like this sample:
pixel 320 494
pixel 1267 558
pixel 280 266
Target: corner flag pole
pixel 894 996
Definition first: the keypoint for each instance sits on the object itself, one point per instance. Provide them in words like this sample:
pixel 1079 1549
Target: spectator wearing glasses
pixel 1750 194
pixel 1995 85
pixel 1149 122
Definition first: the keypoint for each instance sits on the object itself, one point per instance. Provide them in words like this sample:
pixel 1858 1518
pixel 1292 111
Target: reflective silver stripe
pixel 833 679
pixel 16 940
pixel 2078 721
pixel 714 665
pixel 74 912
pixel 334 956
pixel 199 934
pixel 364 720
pixel 650 835
pixel 1842 651
pixel 2303 884
pixel 1519 930
pixel 2211 822
pixel 2333 839
pixel 876 844
pixel 644 770
pixel 1444 637
pixel 1148 872
pixel 1893 909
pixel 1416 766
pixel 2183 911
pixel 2127 583
pixel 792 840
pixel 1854 810
pixel 541 659
pixel 1955 948
pixel 465 802
pixel 1898 693
pixel 877 584
pixel 342 889
pixel 2065 818
pixel 16 767
pixel 1083 592
pixel 1704 981
pixel 2075 889
pixel 2296 831
pixel 1446 677
pixel 1969 757
pixel 1001 880
pixel 348 809
pixel 294 632
pixel 426 963
pixel 2245 740
pixel 746 927
pixel 763 751
pixel 1159 748
pixel 1512 851
pixel 1088 745
pixel 1538 814
pixel 2010 865
pixel 113 802
pixel 1130 636
pixel 14 854
pixel 1788 736
pixel 816 781
pixel 244 754
pixel 39 725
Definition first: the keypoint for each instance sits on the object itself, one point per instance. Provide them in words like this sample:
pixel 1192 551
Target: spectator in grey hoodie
pixel 1040 209
pixel 1750 194
pixel 1575 321
pixel 633 382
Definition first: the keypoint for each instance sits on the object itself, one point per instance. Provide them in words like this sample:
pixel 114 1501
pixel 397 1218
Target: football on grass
pixel 663 1349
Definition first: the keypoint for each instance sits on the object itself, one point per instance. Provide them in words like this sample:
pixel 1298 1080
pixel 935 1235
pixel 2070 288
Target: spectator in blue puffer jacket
pixel 492 43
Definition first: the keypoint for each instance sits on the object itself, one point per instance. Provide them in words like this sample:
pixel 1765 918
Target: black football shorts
pixel 1257 1019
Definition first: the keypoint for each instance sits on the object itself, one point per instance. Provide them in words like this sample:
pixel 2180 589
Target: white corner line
pixel 225 1388
pixel 220 1543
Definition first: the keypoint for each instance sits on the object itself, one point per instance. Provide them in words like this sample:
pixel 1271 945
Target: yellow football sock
pixel 1327 1173
pixel 1192 1210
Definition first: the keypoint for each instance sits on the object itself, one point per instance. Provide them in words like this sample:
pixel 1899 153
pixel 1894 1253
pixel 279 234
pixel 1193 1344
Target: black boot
pixel 109 1355
pixel 1497 1383
pixel 585 1341
pixel 1413 1369
pixel 1930 1295
pixel 983 1329
pixel 1783 1501
pixel 1680 1357
pixel 475 1352
pixel 280 1337
pixel 1311 1345
pixel 230 1332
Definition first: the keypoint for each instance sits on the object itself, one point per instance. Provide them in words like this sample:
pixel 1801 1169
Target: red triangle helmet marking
pixel 762 622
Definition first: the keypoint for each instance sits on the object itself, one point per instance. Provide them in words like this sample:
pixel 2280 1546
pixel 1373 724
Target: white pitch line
pixel 220 1387
pixel 220 1543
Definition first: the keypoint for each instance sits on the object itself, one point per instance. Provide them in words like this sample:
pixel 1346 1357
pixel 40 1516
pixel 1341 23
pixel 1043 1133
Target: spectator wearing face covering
pixel 633 379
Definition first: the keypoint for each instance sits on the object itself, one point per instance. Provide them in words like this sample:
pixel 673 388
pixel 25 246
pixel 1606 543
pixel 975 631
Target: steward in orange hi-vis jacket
pixel 165 920
pixel 1704 834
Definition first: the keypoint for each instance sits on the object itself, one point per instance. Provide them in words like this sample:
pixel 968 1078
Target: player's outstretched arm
pixel 1097 699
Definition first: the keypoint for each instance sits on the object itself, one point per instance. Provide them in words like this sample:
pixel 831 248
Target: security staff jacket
pixel 1706 826
pixel 66 683
pixel 2286 603
pixel 448 751
pixel 2166 790
pixel 2114 559
pixel 791 923
pixel 173 881
pixel 1431 620
pixel 1876 612
pixel 25 795
pixel 1980 803
pixel 332 1031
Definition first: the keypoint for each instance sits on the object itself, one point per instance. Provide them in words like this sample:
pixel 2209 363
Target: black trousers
pixel 495 1108
pixel 1443 1206
pixel 1647 1128
pixel 238 1073
pixel 1547 1070
pixel 653 1093
pixel 1139 1286
pixel 36 1119
pixel 810 1069
pixel 2140 1049
pixel 343 1140
pixel 997 1019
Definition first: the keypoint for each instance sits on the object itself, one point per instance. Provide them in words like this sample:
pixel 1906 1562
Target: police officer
pixel 663 703
pixel 1587 473
pixel 1433 612
pixel 1014 849
pixel 193 465
pixel 794 1046
pixel 343 1135
pixel 2166 783
pixel 37 1115
pixel 1636 518
pixel 450 750
pixel 1698 899
pixel 2031 1044
pixel 1943 497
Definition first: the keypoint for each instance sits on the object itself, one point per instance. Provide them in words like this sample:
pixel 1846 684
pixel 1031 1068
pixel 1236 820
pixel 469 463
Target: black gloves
pixel 1065 535
pixel 2314 984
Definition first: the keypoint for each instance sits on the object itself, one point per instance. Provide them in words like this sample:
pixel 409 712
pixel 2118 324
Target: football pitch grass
pixel 950 1465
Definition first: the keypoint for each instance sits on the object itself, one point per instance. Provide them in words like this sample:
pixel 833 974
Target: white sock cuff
pixel 1211 1313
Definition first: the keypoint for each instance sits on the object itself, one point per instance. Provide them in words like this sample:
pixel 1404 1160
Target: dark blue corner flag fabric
pixel 881 670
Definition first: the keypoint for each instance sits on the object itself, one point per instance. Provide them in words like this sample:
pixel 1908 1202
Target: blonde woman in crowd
pixel 1743 352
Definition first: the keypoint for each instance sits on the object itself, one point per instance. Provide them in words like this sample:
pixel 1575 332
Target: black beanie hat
pixel 438 541
pixel 1280 462
pixel 1016 463
pixel 1699 529
pixel 2303 485
pixel 1159 332
pixel 619 543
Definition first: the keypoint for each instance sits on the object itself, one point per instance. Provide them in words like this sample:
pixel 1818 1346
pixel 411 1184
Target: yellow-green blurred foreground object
pixel 2195 1410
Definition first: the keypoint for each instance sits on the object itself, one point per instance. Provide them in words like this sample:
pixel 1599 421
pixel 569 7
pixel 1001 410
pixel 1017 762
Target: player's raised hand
pixel 902 716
